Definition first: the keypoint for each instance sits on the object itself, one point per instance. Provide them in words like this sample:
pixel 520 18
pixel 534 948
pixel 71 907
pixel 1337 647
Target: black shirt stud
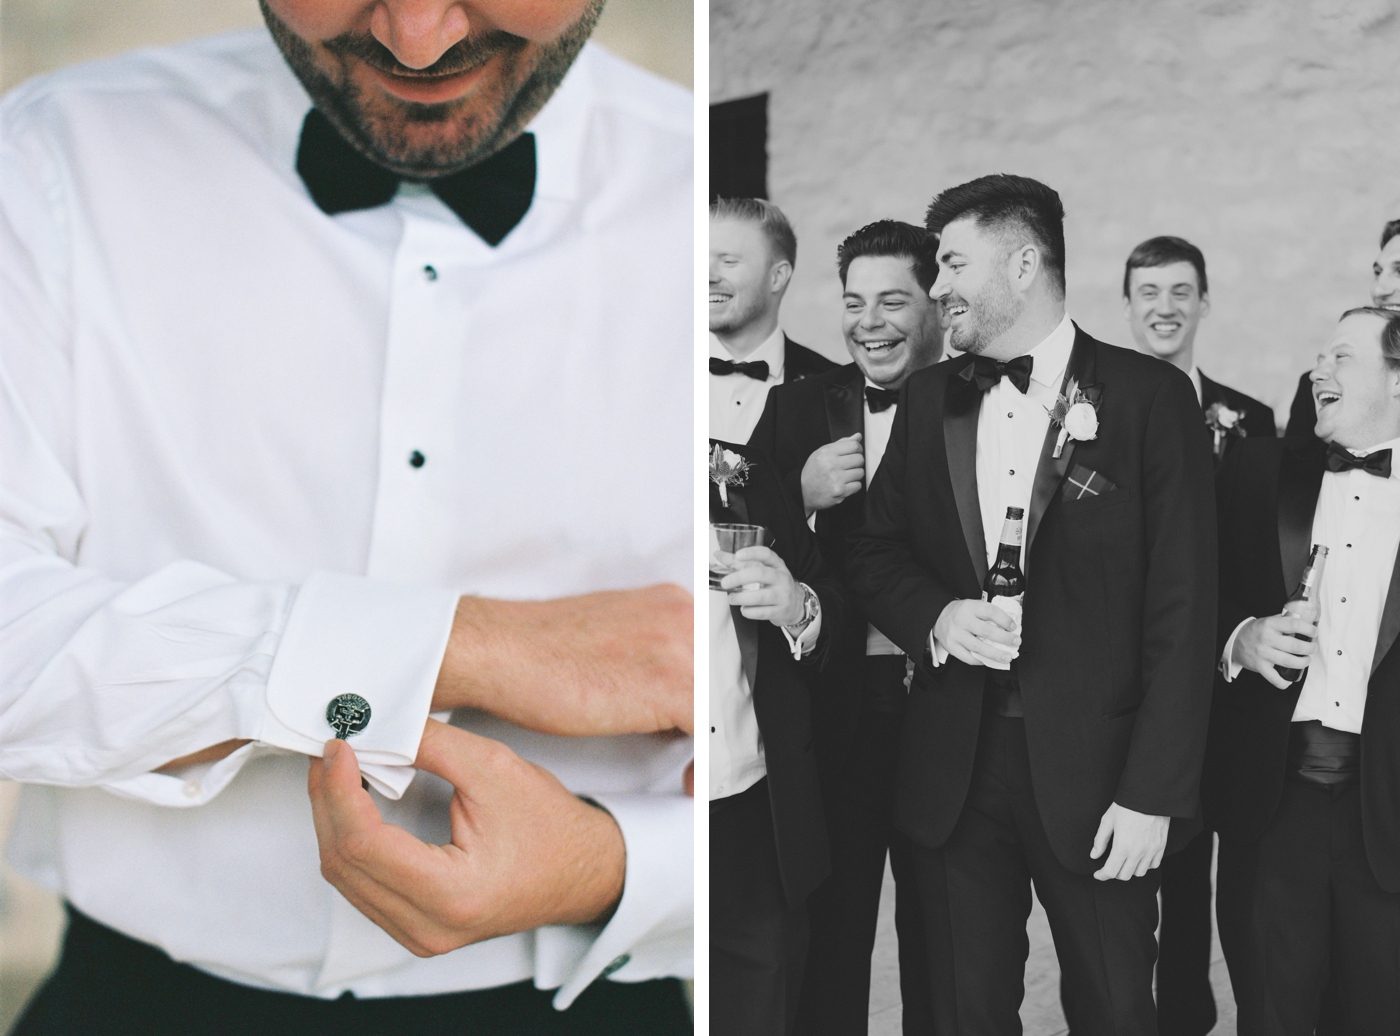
pixel 348 714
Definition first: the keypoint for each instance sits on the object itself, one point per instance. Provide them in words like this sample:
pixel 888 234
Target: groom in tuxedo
pixel 771 626
pixel 827 435
pixel 1078 767
pixel 1302 777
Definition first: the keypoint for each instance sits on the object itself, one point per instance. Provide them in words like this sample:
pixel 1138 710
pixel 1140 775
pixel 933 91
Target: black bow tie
pixel 986 372
pixel 491 197
pixel 878 399
pixel 1339 458
pixel 756 369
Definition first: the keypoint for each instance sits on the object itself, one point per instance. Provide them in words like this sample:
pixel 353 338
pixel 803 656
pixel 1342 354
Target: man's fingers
pixel 1102 835
pixel 347 805
pixel 1270 674
pixel 988 612
pixel 1293 624
pixel 847 446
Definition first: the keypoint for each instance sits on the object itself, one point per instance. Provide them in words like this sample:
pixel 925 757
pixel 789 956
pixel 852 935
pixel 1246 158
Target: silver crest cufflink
pixel 348 714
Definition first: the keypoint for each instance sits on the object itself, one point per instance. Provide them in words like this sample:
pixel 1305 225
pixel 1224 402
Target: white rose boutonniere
pixel 1076 415
pixel 727 469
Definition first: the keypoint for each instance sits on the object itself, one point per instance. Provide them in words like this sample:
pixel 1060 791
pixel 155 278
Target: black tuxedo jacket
pixel 1118 630
pixel 1256 418
pixel 1302 415
pixel 783 688
pixel 1267 495
pixel 800 362
pixel 798 418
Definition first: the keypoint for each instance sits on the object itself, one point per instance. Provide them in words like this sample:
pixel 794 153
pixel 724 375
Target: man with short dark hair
pixel 1063 750
pixel 827 435
pixel 311 393
pixel 1300 778
pixel 752 254
pixel 1385 294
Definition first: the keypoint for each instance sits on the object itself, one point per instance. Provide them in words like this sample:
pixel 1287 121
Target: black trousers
pixel 976 893
pixel 758 942
pixel 1185 1003
pixel 1302 906
pixel 844 912
pixel 111 985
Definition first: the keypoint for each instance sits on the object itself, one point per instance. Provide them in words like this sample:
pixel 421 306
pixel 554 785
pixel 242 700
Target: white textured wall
pixel 1268 133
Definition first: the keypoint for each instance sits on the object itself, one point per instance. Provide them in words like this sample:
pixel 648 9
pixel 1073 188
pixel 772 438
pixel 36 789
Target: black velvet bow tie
pixel 1339 458
pixel 878 399
pixel 491 197
pixel 986 372
pixel 756 369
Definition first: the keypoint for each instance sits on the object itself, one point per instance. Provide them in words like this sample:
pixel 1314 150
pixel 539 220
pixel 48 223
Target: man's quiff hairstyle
pixel 1009 206
pixel 1390 331
pixel 1390 230
pixel 764 215
pixel 893 238
pixel 1164 251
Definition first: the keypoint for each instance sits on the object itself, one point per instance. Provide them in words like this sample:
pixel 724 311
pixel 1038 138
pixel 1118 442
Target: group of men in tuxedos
pixel 1072 750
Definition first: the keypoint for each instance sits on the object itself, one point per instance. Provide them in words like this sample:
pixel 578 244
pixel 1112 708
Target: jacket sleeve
pixel 1163 769
pixel 888 582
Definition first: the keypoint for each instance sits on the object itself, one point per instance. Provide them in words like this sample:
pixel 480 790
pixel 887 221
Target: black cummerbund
pixel 1322 756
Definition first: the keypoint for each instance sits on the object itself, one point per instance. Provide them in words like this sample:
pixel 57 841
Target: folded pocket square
pixel 1084 482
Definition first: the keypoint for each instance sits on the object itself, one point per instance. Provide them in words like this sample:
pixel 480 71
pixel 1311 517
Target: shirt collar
pixel 1195 374
pixel 1390 444
pixel 772 352
pixel 1051 356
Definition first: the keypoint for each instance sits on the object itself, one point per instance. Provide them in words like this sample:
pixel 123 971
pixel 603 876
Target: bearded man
pixel 311 368
pixel 1065 750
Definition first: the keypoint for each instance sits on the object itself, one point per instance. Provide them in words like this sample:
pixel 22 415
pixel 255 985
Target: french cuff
pixel 1228 667
pixel 803 643
pixel 651 933
pixel 936 651
pixel 348 635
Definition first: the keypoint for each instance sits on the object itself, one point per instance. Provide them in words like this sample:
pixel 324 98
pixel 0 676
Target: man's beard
pixel 748 309
pixel 989 315
pixel 381 127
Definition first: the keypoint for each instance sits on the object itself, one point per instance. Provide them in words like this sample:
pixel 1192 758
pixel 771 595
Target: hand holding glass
pixel 725 540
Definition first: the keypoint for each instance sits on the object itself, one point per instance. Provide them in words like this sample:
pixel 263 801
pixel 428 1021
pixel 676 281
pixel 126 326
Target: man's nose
pixel 939 291
pixel 418 32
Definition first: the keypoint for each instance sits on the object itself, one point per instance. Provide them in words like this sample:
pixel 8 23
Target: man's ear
pixel 1022 265
pixel 778 276
pixel 1205 305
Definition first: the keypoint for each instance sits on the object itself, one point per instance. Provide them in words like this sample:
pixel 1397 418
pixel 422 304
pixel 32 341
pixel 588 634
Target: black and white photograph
pixel 1072 329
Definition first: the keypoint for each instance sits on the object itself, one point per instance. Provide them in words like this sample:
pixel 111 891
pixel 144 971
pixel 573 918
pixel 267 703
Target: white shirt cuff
pixel 384 642
pixel 936 650
pixel 1228 667
pixel 652 932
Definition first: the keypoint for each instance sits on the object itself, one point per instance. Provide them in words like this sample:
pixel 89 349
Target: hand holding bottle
pixel 1275 645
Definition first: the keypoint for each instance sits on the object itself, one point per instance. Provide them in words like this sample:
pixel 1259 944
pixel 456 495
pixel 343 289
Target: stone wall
pixel 1268 133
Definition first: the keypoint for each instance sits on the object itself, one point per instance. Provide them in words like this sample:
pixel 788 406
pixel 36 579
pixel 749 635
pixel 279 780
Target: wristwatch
pixel 810 608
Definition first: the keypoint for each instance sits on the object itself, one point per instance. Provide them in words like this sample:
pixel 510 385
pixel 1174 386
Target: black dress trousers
pixel 1185 1003
pixel 844 911
pixel 1301 905
pixel 976 894
pixel 107 984
pixel 758 943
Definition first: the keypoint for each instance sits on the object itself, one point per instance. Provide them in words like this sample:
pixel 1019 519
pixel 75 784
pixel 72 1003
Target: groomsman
pixel 1078 767
pixel 752 253
pixel 768 840
pixel 1385 294
pixel 827 435
pixel 1303 778
pixel 1165 296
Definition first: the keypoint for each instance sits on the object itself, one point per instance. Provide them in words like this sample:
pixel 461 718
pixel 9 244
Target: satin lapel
pixel 1299 482
pixel 961 406
pixel 1050 471
pixel 1390 618
pixel 845 410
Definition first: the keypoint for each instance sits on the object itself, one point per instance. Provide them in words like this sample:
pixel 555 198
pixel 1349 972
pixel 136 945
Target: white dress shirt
pixel 1358 520
pixel 874 440
pixel 736 400
pixel 1011 429
pixel 210 393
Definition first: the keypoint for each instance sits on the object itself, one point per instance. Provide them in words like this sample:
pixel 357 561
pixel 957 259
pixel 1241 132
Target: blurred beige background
pixel 37 36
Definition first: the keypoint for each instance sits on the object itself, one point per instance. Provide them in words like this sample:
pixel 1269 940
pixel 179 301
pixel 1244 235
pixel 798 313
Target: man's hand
pixel 615 662
pixel 524 851
pixel 1266 645
pixel 832 473
pixel 977 632
pixel 761 586
pixel 1139 841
